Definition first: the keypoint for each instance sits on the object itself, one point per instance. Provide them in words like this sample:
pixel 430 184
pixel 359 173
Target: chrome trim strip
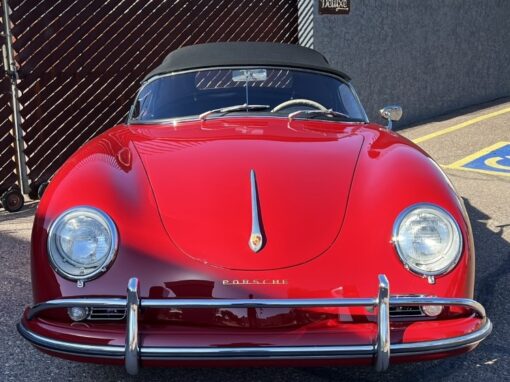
pixel 132 348
pixel 202 303
pixel 382 346
pixel 257 303
pixel 256 241
pixel 254 303
pixel 264 352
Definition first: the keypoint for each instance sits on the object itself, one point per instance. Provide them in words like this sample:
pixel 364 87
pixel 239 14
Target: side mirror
pixel 391 113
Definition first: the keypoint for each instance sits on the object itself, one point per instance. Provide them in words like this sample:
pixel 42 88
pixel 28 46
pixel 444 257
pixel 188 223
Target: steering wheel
pixel 299 101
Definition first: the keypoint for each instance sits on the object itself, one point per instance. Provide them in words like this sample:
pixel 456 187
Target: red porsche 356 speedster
pixel 255 216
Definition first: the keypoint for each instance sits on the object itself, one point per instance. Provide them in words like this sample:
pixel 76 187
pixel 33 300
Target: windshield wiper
pixel 230 109
pixel 314 113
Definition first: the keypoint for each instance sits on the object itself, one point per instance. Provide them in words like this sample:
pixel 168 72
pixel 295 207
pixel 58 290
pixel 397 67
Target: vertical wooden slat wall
pixel 81 62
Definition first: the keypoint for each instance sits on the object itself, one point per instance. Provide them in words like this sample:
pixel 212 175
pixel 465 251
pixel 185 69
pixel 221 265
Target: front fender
pixel 393 174
pixel 107 174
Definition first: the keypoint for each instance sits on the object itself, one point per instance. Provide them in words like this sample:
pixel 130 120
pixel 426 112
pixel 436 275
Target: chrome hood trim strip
pixel 256 241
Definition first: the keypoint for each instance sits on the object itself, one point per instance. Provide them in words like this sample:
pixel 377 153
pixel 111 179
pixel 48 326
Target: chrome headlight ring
pixel 82 243
pixel 427 239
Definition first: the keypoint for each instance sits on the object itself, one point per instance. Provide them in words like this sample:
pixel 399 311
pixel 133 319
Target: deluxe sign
pixel 334 7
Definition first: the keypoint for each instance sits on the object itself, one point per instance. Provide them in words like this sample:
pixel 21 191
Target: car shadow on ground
pixel 490 361
pixel 27 211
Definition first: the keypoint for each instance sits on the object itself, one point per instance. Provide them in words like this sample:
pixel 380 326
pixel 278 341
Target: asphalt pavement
pixel 469 144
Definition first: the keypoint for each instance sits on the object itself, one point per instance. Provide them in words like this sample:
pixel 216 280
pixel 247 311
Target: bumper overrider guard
pixel 132 353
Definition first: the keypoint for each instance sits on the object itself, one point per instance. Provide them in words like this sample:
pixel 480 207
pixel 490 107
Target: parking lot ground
pixel 487 198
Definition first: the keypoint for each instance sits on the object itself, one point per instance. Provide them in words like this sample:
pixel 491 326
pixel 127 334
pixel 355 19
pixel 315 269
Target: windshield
pixel 194 93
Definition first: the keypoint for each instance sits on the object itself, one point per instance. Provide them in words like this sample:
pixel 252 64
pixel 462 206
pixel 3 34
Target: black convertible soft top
pixel 222 54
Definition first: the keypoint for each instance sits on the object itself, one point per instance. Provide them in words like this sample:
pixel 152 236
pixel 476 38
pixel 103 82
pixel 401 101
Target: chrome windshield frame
pixel 196 117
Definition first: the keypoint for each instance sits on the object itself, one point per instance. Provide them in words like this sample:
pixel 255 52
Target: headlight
pixel 82 243
pixel 428 239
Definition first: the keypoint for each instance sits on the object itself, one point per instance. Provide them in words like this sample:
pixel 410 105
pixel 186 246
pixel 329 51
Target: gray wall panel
pixel 430 56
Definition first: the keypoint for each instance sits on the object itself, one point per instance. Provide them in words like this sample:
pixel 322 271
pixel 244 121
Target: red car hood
pixel 200 175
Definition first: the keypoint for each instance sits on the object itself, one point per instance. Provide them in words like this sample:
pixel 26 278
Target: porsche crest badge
pixel 255 242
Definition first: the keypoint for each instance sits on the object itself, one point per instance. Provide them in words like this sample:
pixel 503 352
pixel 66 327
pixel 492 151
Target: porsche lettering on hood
pixel 256 282
pixel 205 199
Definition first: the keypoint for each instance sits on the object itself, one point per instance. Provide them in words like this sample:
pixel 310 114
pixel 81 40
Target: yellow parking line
pixel 477 170
pixel 461 125
pixel 476 155
pixel 460 163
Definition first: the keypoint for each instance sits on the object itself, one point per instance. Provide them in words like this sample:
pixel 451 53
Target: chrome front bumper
pixel 132 353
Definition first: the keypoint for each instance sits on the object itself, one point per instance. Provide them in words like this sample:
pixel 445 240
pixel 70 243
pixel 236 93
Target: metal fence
pixel 7 164
pixel 80 63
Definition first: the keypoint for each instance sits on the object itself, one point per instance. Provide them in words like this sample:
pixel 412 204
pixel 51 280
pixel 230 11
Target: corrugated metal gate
pixel 80 63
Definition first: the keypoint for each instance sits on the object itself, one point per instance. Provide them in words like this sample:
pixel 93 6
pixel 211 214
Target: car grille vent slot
pixel 107 314
pixel 406 311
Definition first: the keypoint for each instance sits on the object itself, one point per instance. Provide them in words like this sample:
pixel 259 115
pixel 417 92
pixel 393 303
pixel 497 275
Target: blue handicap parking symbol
pixel 494 159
